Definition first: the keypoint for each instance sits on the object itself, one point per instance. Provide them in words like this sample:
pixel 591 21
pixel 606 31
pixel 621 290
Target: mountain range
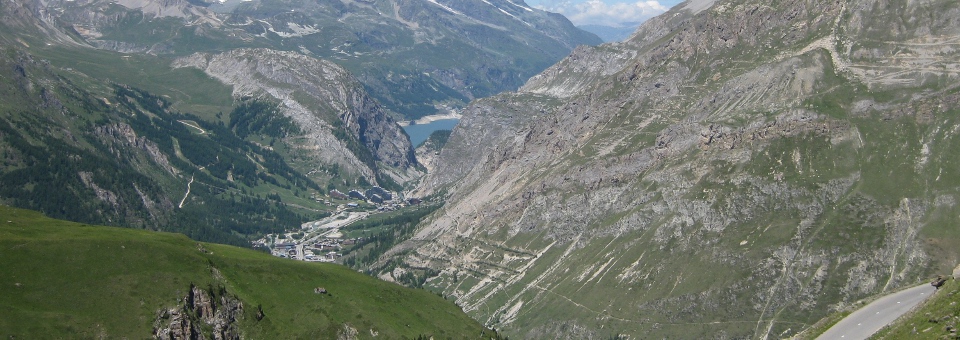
pixel 262 120
pixel 612 33
pixel 416 57
pixel 734 169
pixel 737 169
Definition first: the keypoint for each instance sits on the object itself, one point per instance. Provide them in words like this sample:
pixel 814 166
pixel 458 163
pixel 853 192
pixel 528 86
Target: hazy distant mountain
pixel 611 33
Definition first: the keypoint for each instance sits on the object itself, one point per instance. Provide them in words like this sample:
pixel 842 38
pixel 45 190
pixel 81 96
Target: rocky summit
pixel 736 169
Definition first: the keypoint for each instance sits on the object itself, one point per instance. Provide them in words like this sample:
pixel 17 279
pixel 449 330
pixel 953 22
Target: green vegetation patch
pixel 381 232
pixel 66 280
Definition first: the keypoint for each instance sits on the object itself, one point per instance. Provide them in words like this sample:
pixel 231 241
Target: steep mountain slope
pixel 736 169
pixel 414 55
pixel 66 280
pixel 309 88
pixel 102 137
pixel 324 100
pixel 114 154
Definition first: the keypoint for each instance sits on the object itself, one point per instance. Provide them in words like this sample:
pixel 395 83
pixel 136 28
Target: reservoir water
pixel 420 132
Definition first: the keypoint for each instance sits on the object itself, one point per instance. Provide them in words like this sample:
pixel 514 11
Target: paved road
pixel 869 319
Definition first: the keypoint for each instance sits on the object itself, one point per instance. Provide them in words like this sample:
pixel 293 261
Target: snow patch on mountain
pixel 505 12
pixel 296 30
pixel 525 8
pixel 451 10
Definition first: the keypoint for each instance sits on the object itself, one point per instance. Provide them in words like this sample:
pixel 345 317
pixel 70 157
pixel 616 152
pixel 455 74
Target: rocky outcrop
pixel 205 314
pixel 324 100
pixel 727 172
pixel 121 137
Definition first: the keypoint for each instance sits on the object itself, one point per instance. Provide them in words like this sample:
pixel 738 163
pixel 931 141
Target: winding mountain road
pixel 869 319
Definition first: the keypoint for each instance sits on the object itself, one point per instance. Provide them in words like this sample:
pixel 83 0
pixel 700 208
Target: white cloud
pixel 597 12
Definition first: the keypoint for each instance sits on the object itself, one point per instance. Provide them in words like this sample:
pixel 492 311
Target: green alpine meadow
pixel 68 280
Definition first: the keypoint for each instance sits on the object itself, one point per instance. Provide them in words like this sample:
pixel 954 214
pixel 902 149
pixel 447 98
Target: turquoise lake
pixel 420 132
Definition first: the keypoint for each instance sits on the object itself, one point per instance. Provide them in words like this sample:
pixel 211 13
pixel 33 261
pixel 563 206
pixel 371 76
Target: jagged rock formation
pixel 322 98
pixel 215 311
pixel 736 169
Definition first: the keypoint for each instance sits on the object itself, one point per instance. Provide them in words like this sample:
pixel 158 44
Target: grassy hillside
pixel 62 279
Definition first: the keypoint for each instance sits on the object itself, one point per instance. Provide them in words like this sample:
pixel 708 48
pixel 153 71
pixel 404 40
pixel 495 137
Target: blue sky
pixel 605 12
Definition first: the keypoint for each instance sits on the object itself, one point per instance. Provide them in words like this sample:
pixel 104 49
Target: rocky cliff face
pixel 736 169
pixel 205 314
pixel 325 100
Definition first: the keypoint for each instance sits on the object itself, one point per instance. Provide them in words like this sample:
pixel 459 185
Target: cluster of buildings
pixel 376 195
pixel 384 199
pixel 320 241
pixel 325 250
pixel 286 250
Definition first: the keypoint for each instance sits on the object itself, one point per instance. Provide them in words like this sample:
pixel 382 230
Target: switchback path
pixel 872 317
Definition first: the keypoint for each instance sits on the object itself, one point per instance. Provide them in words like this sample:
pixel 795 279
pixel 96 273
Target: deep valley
pixel 734 169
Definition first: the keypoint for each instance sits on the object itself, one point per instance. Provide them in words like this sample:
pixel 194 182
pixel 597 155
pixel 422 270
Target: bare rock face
pixel 347 333
pixel 325 100
pixel 737 169
pixel 176 325
pixel 217 310
pixel 123 136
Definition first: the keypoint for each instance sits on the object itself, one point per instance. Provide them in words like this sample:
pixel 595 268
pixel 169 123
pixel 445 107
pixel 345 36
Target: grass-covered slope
pixel 66 280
